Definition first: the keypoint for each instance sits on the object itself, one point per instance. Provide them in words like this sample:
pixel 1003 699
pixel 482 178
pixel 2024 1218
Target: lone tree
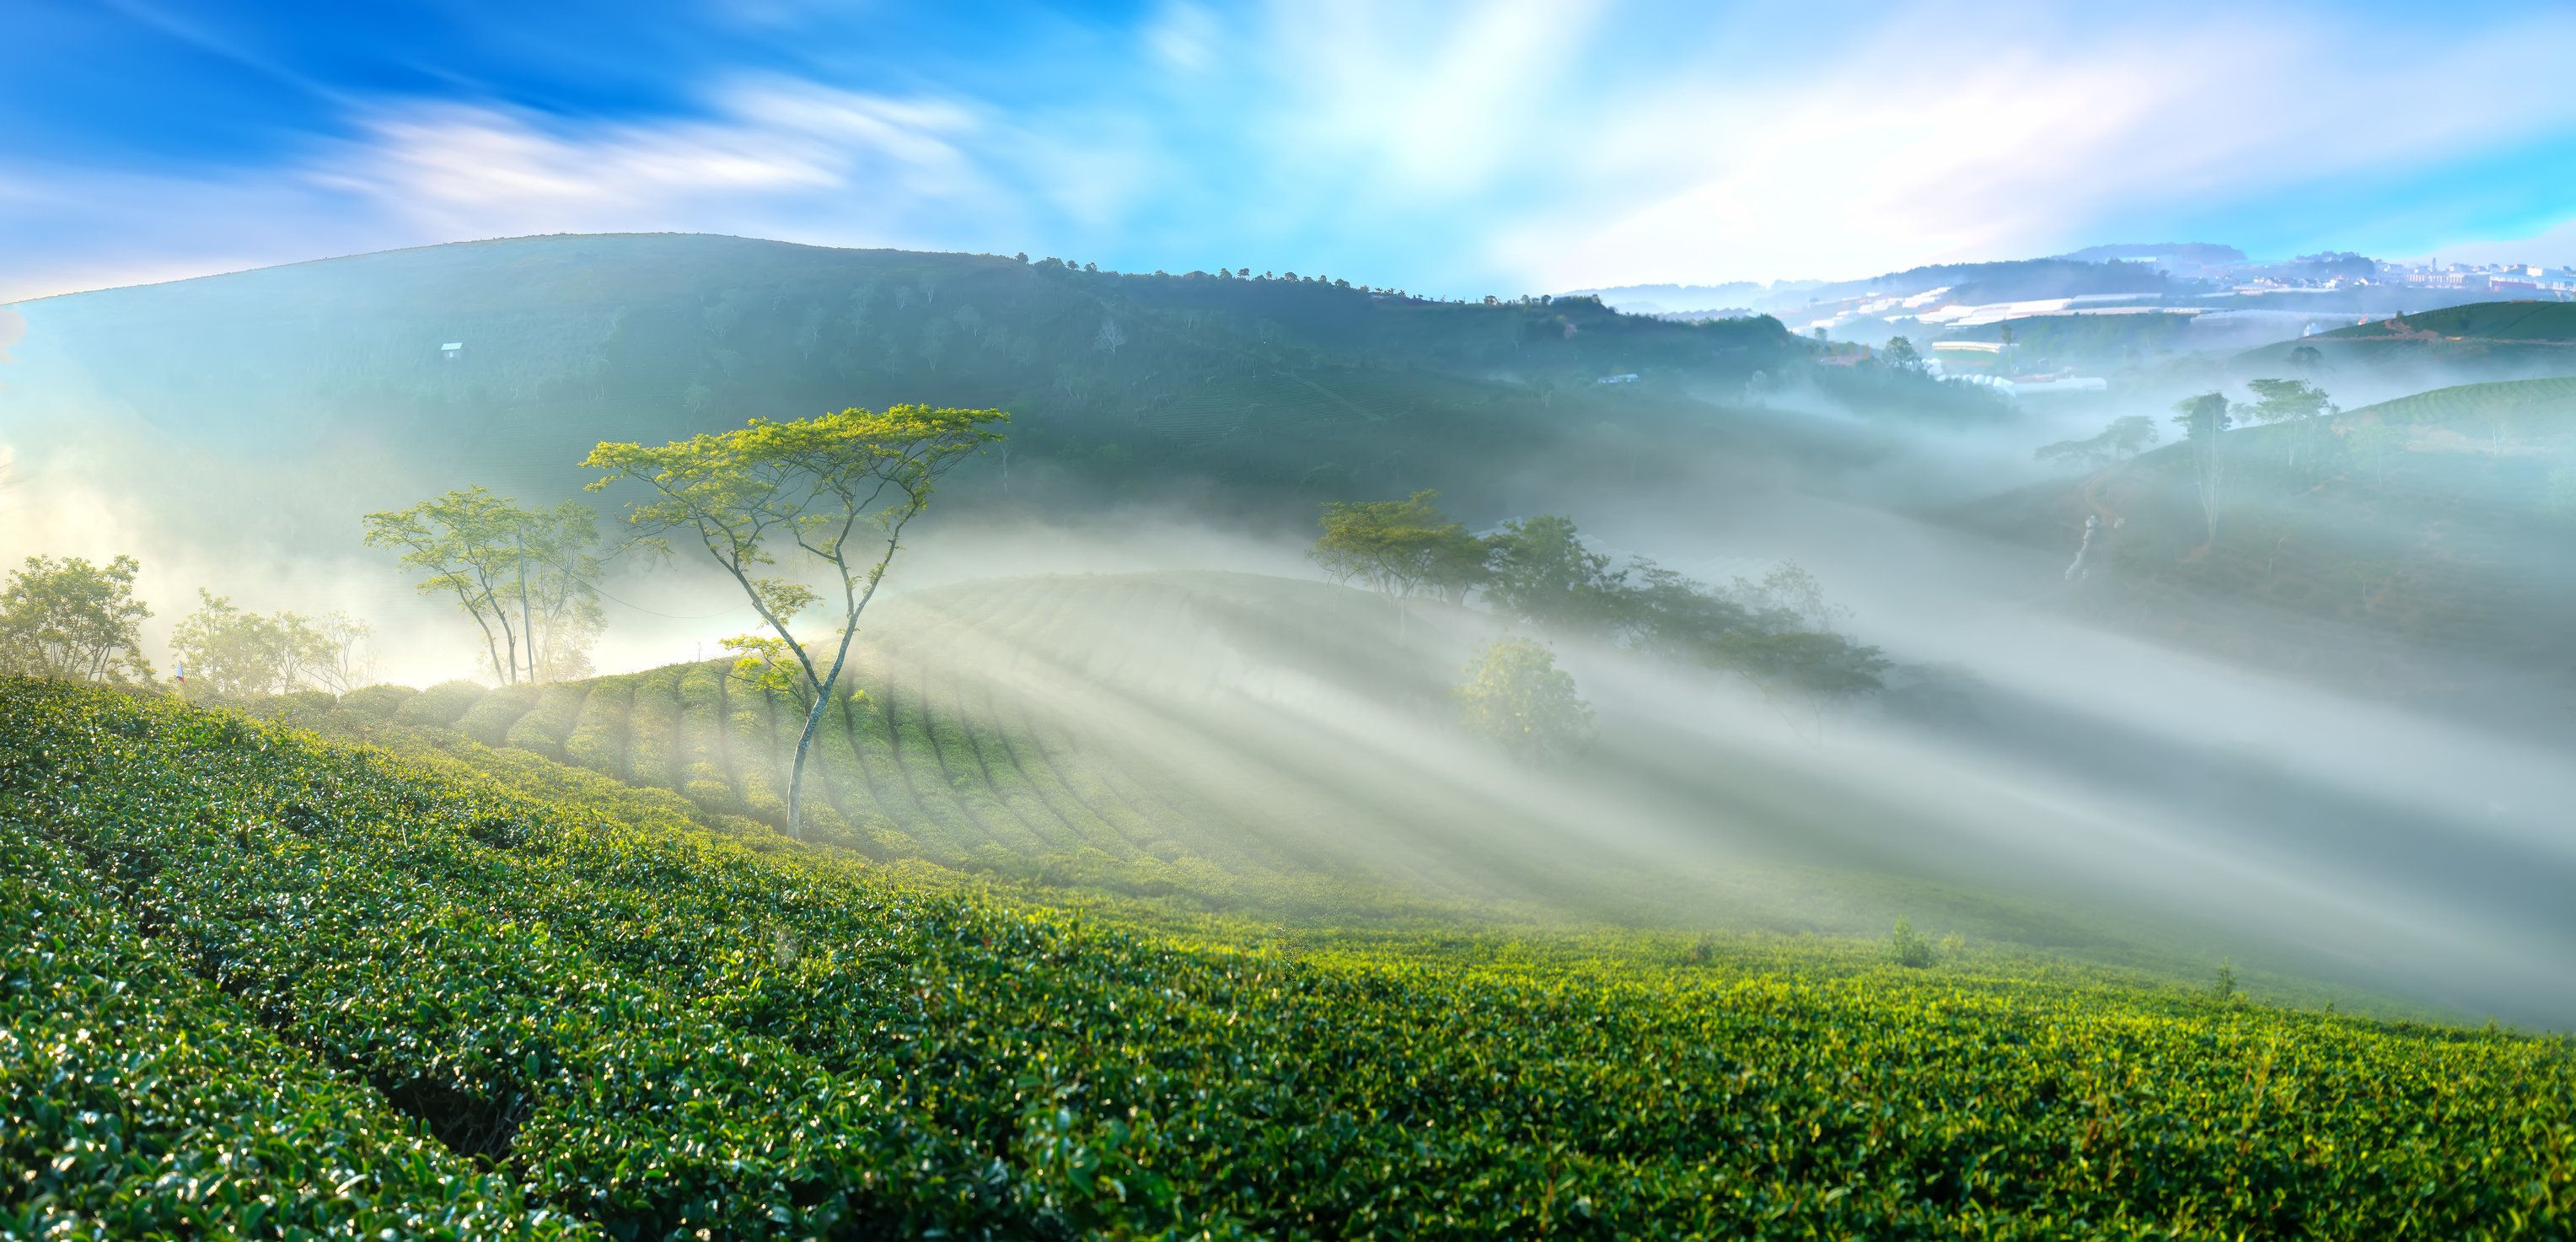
pixel 2300 405
pixel 1401 547
pixel 2203 419
pixel 70 620
pixel 1515 695
pixel 527 576
pixel 837 488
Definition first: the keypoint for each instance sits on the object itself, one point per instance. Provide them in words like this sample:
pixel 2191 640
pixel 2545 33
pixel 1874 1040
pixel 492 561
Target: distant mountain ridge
pixel 2092 270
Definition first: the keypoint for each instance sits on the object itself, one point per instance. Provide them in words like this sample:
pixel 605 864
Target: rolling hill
pixel 2478 342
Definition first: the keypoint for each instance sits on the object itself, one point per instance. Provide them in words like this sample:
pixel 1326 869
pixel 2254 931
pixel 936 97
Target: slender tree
pixel 835 491
pixel 2297 404
pixel 2204 419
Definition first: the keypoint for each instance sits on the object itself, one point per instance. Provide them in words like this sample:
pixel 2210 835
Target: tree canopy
pixel 2125 437
pixel 72 620
pixel 228 651
pixel 1401 547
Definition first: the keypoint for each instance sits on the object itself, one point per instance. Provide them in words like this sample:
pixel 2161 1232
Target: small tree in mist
pixel 2558 498
pixel 2297 405
pixel 71 620
pixel 528 577
pixel 1515 695
pixel 1403 548
pixel 2204 419
pixel 837 488
pixel 1908 947
pixel 2124 438
pixel 2376 443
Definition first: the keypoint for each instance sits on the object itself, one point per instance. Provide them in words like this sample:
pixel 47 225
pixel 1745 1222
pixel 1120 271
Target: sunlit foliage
pixel 1514 695
pixel 70 619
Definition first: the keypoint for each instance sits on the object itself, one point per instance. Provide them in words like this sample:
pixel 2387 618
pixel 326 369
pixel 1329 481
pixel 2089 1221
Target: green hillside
pixel 2479 342
pixel 2552 322
pixel 288 988
pixel 1243 747
pixel 2543 402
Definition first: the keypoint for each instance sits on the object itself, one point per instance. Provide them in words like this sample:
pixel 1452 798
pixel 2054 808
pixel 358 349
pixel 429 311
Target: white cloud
pixel 1512 145
pixel 773 150
pixel 1183 36
pixel 1928 143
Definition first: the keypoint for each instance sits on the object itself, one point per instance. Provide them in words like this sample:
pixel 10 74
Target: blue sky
pixel 1499 147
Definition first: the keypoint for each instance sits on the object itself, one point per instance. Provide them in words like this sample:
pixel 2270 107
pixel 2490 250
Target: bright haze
pixel 1453 149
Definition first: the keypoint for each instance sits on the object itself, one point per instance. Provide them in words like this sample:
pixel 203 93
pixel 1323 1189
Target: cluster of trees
pixel 1778 634
pixel 2124 438
pixel 70 619
pixel 2299 408
pixel 228 652
pixel 529 578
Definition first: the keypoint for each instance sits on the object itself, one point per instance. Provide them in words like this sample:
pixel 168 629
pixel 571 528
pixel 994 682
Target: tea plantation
pixel 946 755
pixel 264 985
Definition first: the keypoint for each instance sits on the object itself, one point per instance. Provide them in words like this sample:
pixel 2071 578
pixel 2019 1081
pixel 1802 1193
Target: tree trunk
pixel 796 771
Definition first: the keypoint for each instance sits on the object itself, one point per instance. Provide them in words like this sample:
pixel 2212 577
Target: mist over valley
pixel 627 727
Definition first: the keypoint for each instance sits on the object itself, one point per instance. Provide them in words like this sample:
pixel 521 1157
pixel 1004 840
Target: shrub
pixel 378 702
pixel 442 704
pixel 1908 947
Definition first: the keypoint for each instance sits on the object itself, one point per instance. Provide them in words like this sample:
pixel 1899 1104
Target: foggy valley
pixel 2062 737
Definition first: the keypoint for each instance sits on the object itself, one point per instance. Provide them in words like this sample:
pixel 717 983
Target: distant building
pixel 452 348
pixel 1629 378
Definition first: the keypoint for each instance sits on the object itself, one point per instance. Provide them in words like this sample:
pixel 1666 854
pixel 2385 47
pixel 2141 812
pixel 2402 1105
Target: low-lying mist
pixel 2045 769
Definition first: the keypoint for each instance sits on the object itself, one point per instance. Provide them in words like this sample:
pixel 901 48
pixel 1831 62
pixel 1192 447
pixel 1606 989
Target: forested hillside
pixel 1283 384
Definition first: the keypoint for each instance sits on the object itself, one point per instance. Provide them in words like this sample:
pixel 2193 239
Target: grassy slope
pixel 2479 342
pixel 654 1032
pixel 1088 738
pixel 2478 321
